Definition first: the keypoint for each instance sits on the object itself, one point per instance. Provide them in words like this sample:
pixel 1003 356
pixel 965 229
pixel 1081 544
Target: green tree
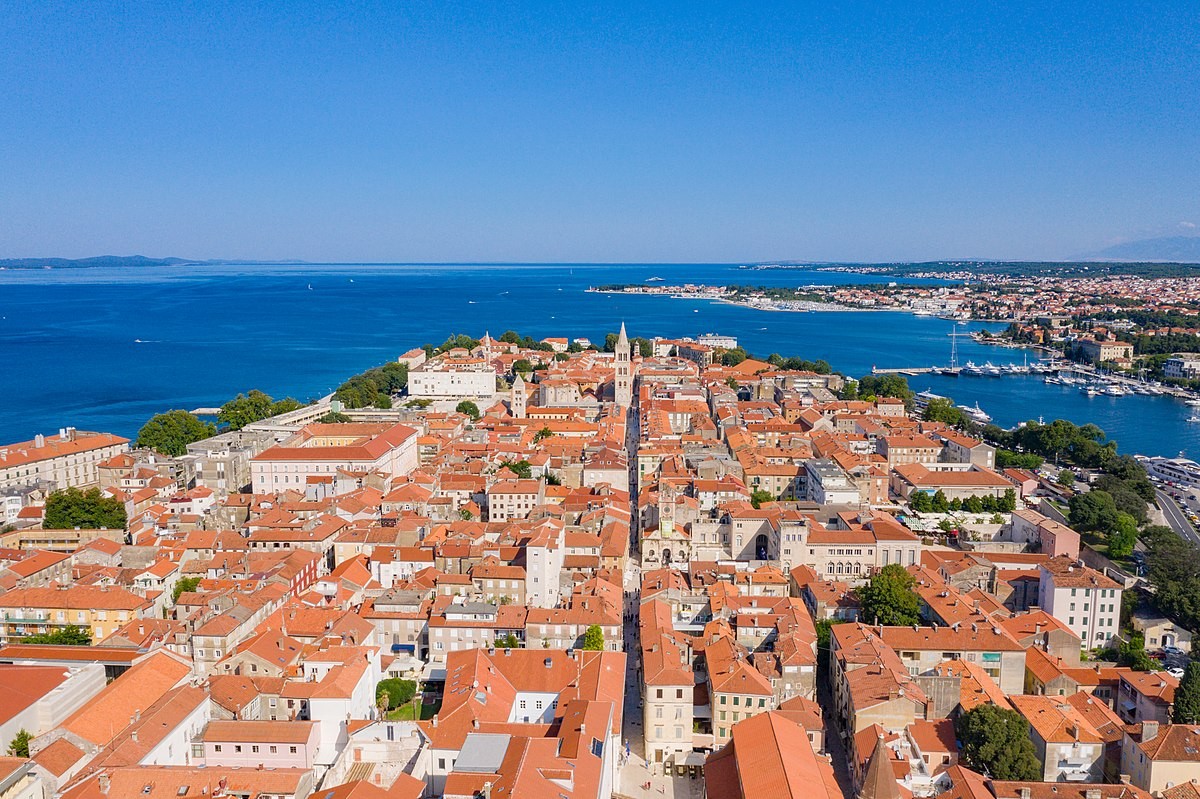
pixel 90 510
pixel 508 641
pixel 19 746
pixel 849 390
pixel 1123 536
pixel 593 638
pixel 334 417
pixel 398 692
pixel 522 468
pixel 70 635
pixel 171 432
pixel 943 410
pixel 468 408
pixel 885 386
pixel 1093 510
pixel 1132 654
pixel 889 598
pixel 996 740
pixel 185 585
pixel 1066 478
pixel 252 407
pixel 522 366
pixel 759 496
pixel 542 435
pixel 1187 697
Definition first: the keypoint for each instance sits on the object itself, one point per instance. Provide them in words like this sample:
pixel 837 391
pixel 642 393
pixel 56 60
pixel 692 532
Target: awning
pixel 691 759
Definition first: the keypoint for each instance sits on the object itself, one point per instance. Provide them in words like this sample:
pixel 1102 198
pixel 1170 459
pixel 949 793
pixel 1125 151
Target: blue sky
pixel 575 131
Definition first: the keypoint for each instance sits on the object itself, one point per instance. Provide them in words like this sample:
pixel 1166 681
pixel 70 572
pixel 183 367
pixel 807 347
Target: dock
pixel 911 371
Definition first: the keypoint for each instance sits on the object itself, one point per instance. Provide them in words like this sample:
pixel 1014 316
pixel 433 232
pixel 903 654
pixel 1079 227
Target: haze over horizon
pixel 541 133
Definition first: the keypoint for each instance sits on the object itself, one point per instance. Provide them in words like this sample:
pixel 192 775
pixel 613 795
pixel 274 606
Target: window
pixel 736 699
pixel 275 749
pixel 237 748
pixel 292 749
pixel 679 693
pixel 254 749
pixel 217 748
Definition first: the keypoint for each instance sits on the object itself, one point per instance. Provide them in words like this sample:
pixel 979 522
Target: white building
pixel 325 450
pixel 69 459
pixel 447 378
pixel 1182 367
pixel 828 484
pixel 1082 598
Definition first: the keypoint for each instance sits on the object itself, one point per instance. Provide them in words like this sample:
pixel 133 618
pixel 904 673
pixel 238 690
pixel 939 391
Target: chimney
pixel 39 441
pixel 548 662
pixel 1024 793
pixel 1149 730
pixel 1091 793
pixel 486 793
pixel 103 784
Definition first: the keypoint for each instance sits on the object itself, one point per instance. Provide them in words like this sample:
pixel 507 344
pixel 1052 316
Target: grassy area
pixel 405 712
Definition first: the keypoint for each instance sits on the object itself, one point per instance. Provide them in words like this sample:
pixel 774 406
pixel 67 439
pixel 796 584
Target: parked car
pixel 1177 673
pixel 1172 650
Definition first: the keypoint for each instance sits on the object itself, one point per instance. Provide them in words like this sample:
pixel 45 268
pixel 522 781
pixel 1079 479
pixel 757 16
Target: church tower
pixel 666 509
pixel 623 379
pixel 517 397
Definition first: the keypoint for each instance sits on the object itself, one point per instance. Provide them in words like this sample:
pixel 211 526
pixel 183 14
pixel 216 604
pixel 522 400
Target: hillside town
pixel 557 570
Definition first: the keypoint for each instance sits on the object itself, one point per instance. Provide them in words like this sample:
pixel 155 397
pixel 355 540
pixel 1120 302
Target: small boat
pixel 991 370
pixel 310 288
pixel 972 370
pixel 1195 403
pixel 1194 419
pixel 1052 381
pixel 1114 390
pixel 655 279
pixel 470 302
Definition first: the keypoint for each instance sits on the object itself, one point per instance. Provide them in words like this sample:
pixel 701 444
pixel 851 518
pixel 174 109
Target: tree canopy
pixel 885 386
pixel 468 408
pixel 758 496
pixel 522 468
pixel 374 387
pixel 19 746
pixel 171 432
pixel 252 407
pixel 90 510
pixel 70 635
pixel 593 638
pixel 1187 697
pixel 996 740
pixel 889 598
pixel 394 692
pixel 184 585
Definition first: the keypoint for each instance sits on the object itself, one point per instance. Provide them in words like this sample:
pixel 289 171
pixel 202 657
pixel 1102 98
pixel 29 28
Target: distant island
pixel 110 261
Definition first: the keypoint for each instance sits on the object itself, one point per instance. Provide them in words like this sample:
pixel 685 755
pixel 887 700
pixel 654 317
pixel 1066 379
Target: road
pixel 1176 518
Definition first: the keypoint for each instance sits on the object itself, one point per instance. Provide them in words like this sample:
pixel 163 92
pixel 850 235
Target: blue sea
pixel 104 349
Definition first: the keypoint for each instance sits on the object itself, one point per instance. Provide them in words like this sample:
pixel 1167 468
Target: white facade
pixel 1182 368
pixel 53 708
pixel 450 383
pixel 69 459
pixel 1092 612
pixel 286 467
pixel 543 564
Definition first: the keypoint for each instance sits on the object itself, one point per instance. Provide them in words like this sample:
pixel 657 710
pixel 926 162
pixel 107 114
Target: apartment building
pixel 70 459
pixel 1082 598
pixel 101 610
pixel 322 451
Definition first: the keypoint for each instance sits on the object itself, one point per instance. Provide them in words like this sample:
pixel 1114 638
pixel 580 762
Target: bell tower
pixel 623 378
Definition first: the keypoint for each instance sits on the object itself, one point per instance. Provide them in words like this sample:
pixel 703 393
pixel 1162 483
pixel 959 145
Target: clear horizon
pixel 536 133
